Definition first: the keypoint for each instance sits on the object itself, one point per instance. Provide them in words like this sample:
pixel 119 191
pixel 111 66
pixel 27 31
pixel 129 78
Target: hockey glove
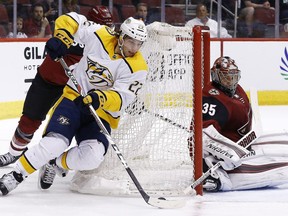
pixel 223 148
pixel 228 157
pixel 57 46
pixel 83 102
pixel 218 180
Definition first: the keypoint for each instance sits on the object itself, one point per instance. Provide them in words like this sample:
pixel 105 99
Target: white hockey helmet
pixel 134 28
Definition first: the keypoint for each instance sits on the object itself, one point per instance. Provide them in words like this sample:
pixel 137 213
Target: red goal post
pixel 160 133
pixel 201 41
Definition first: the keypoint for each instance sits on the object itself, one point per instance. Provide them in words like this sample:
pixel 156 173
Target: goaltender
pixel 227 116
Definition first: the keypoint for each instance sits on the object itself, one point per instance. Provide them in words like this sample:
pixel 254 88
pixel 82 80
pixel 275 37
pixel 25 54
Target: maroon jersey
pixel 53 72
pixel 231 116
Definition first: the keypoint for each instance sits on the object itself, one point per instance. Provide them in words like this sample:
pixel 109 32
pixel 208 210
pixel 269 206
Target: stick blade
pixel 166 204
pixel 190 190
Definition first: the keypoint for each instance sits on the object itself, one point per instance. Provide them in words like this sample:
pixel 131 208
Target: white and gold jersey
pixel 116 79
pixel 72 21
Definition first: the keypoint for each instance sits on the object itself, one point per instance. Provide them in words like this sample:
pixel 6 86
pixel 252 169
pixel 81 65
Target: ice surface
pixel 28 200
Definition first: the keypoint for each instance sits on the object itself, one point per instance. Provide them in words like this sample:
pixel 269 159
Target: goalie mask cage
pixel 160 133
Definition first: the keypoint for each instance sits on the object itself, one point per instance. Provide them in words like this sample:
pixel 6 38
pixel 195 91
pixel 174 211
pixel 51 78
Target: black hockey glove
pixel 57 46
pixel 83 102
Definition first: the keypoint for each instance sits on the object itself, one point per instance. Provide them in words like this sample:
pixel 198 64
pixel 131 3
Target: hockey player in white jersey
pixel 111 72
pixel 46 87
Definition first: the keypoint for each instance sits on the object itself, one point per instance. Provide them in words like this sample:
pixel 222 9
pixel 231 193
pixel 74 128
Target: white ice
pixel 28 200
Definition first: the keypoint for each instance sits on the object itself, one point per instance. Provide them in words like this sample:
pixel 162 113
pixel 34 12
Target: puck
pixel 161 198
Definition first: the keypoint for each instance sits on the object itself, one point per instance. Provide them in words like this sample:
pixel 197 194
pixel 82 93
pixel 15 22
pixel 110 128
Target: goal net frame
pixel 93 182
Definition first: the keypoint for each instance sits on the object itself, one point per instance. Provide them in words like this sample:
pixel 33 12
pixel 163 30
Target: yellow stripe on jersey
pixel 109 100
pixel 66 22
pixel 113 121
pixel 137 62
pixel 107 38
pixel 26 165
pixel 70 93
pixel 64 161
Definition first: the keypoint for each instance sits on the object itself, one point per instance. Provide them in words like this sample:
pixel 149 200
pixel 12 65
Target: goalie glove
pixel 222 148
pixel 218 180
pixel 83 102
pixel 57 46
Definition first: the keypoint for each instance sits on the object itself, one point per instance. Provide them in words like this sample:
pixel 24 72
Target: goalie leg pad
pixel 273 144
pixel 260 175
pixel 267 167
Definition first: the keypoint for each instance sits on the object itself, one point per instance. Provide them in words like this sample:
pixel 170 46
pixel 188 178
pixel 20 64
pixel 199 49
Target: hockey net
pixel 160 133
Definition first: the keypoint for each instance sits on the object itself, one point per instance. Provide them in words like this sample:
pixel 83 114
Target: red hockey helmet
pixel 100 15
pixel 225 74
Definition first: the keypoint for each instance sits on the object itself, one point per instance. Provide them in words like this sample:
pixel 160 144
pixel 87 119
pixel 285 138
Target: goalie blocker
pixel 222 148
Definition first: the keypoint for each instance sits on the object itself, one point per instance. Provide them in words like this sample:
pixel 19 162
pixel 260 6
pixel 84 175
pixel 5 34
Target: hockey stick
pixel 156 202
pixel 28 80
pixel 137 103
pixel 246 141
pixel 169 121
pixel 255 107
pixel 256 117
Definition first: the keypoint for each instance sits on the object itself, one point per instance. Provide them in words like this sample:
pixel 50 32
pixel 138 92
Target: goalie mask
pixel 226 75
pixel 101 15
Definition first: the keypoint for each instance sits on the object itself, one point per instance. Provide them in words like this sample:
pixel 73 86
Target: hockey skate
pixel 9 182
pixel 47 174
pixel 7 159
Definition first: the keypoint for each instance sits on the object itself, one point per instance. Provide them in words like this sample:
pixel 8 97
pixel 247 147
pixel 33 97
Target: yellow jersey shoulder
pixel 108 38
pixel 137 62
pixel 67 22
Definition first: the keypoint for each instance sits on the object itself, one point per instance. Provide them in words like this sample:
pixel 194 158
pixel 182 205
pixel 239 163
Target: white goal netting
pixel 153 132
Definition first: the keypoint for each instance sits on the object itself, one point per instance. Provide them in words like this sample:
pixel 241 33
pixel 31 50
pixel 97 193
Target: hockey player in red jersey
pixel 46 88
pixel 225 103
pixel 226 110
pixel 227 116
